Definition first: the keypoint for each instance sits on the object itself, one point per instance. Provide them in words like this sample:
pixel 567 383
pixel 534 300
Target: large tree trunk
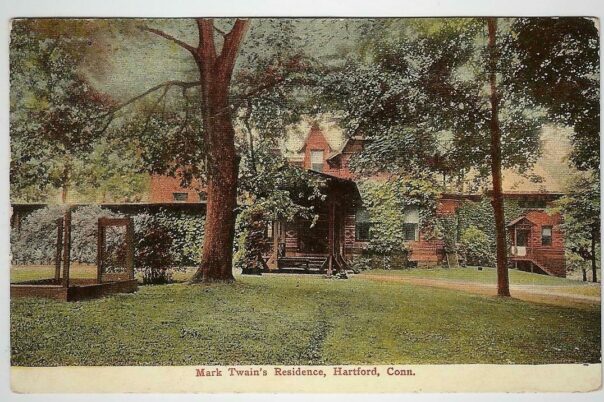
pixel 222 161
pixel 503 284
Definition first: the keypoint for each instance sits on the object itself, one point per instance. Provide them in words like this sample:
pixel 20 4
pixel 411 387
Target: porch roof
pixel 518 220
pixel 346 187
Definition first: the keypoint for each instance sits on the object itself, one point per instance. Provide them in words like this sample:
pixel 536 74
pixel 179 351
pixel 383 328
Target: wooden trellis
pixel 103 224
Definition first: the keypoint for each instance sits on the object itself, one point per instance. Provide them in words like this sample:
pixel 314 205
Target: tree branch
pixel 166 85
pixel 207 48
pixel 230 48
pixel 169 37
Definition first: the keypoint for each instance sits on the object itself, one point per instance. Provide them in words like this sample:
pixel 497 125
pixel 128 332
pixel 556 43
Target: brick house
pixel 536 241
pixel 342 230
pixel 167 189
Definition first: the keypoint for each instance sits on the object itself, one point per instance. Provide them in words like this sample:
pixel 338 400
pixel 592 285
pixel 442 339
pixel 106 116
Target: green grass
pixel 23 273
pixel 486 275
pixel 299 320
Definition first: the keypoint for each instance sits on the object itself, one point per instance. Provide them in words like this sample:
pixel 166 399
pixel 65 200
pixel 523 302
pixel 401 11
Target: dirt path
pixel 533 293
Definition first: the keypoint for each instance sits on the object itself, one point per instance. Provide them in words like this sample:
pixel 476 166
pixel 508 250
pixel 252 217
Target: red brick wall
pixel 316 142
pixel 162 189
pixel 551 258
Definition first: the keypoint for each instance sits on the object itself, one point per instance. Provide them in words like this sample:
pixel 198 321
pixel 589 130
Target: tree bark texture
pixel 215 72
pixel 503 284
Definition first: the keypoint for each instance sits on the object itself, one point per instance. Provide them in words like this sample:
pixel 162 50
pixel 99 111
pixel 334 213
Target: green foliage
pixel 58 122
pixel 476 247
pixel 388 201
pixel 284 191
pixel 35 243
pixel 479 215
pixel 153 243
pixel 251 240
pixel 560 67
pixel 371 260
pixel 580 209
pixel 186 231
pixel 420 97
pixel 110 172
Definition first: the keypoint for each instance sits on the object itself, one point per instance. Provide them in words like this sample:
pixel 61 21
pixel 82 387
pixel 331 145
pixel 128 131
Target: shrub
pixel 187 231
pixel 152 255
pixel 476 247
pixel 371 260
pixel 35 243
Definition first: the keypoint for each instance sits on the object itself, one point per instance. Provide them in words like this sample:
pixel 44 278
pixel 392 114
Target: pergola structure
pixel 64 287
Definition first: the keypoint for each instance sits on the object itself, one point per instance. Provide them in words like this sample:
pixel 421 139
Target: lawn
pixel 280 319
pixel 23 273
pixel 486 275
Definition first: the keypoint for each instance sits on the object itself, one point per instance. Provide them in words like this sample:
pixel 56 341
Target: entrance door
pixel 522 238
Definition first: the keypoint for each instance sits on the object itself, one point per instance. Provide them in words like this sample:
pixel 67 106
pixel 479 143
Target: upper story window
pixel 180 197
pixel 533 203
pixel 546 235
pixel 411 224
pixel 362 225
pixel 316 160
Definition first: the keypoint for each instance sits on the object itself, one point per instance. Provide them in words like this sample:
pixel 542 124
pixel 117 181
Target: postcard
pixel 308 205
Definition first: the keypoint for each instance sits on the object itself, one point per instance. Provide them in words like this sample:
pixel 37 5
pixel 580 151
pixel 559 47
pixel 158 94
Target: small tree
pixel 580 209
pixel 152 254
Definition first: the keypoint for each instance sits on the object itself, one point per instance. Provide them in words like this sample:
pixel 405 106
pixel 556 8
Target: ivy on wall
pixel 387 203
pixel 35 242
pixel 480 216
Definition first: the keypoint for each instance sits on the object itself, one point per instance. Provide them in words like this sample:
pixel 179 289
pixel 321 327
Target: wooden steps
pixel 302 265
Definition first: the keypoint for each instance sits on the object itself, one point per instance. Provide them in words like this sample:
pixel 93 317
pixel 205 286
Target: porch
pixel 319 247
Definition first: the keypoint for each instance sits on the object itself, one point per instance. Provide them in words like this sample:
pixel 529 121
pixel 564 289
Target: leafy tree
pixel 57 119
pixel 581 211
pixel 560 68
pixel 109 173
pixel 436 96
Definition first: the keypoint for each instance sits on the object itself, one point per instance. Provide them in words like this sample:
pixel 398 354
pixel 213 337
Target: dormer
pixel 316 150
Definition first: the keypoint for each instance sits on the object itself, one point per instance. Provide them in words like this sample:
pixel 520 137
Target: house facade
pixel 342 231
pixel 536 241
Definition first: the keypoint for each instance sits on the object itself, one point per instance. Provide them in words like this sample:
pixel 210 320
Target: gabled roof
pixel 519 219
pixel 315 129
pixel 339 153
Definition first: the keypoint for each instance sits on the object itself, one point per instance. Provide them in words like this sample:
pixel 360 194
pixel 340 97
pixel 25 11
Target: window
pixel 546 236
pixel 316 160
pixel 362 225
pixel 203 196
pixel 410 231
pixel 269 231
pixel 411 224
pixel 180 197
pixel 532 203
